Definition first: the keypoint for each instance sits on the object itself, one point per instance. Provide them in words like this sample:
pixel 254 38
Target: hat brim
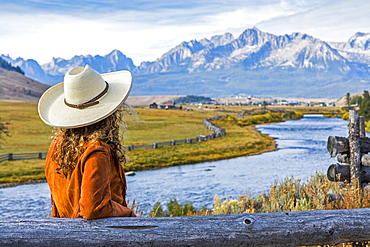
pixel 54 112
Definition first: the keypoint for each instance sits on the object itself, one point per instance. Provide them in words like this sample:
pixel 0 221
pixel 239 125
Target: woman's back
pixel 96 188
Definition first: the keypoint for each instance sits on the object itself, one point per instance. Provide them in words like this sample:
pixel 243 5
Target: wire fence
pixel 217 132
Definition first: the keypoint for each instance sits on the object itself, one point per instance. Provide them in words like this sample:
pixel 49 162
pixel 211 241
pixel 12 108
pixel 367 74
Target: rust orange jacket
pixel 96 188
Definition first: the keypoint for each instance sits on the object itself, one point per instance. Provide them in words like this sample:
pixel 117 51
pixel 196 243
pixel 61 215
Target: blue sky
pixel 144 30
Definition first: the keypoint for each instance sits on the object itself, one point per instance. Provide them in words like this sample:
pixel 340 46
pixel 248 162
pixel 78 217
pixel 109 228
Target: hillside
pixel 16 87
pixel 147 100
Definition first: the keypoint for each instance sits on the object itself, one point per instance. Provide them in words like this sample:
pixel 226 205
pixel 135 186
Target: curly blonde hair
pixel 71 143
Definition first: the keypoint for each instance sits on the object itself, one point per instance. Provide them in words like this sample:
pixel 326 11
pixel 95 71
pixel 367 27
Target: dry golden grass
pixel 295 195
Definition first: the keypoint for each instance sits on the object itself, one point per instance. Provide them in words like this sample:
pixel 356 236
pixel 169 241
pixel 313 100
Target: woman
pixel 83 166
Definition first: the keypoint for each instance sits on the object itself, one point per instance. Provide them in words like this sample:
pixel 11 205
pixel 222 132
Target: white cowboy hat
pixel 85 97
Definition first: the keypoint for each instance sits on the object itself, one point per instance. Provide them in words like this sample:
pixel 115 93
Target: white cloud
pixel 333 21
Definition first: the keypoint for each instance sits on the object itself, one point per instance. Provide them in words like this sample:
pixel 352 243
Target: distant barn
pixel 168 105
pixel 153 105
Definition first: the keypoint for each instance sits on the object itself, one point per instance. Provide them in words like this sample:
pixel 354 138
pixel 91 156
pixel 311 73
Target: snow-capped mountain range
pixel 256 63
pixel 53 72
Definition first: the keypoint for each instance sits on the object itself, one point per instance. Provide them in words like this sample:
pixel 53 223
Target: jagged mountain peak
pixel 359 34
pixel 254 36
pixel 358 41
pixel 115 51
pixel 224 39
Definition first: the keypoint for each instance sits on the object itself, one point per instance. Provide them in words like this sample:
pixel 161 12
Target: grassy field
pixel 237 142
pixel 29 134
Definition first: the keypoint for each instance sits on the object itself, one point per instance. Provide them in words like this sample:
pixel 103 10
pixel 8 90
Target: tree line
pixel 363 102
pixel 4 64
pixel 193 98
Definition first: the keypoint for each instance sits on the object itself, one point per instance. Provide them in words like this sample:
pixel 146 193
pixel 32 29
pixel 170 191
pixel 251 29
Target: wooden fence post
pixel 188 141
pixel 362 127
pixel 354 144
pixel 10 156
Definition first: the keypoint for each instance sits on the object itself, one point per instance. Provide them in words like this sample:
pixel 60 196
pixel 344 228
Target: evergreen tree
pixel 348 100
pixel 264 104
pixel 356 100
pixel 365 105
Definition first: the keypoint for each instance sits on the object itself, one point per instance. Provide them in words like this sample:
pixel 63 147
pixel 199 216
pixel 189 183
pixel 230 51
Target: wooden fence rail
pixel 22 156
pixel 318 227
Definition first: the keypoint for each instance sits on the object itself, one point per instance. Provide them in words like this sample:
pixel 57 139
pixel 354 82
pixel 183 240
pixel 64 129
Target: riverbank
pixel 22 183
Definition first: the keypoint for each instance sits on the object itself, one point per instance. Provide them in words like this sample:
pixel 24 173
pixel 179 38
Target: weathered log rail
pixel 316 227
pixel 345 173
pixel 340 145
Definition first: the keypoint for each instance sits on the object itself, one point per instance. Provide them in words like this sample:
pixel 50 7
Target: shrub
pixel 367 126
pixel 292 115
pixel 345 116
pixel 174 208
pixel 292 195
pixel 259 119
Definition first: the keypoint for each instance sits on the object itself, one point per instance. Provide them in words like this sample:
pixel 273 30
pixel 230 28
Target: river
pixel 301 151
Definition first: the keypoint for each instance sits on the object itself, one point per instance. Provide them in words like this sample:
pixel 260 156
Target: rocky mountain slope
pixel 255 63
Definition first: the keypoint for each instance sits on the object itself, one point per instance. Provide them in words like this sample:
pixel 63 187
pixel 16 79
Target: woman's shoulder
pixel 96 146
